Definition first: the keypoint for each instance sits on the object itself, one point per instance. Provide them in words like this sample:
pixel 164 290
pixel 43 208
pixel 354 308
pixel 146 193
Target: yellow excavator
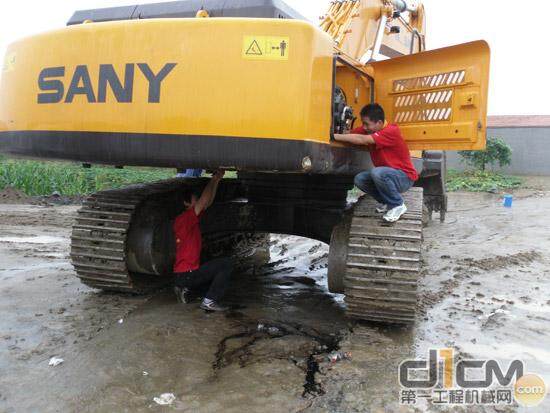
pixel 253 87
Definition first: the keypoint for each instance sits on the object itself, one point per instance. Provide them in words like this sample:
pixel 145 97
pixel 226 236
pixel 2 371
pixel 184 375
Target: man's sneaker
pixel 182 294
pixel 394 214
pixel 382 209
pixel 212 306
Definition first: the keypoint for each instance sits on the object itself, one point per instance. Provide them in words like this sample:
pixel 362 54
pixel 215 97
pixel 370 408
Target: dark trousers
pixel 385 185
pixel 214 275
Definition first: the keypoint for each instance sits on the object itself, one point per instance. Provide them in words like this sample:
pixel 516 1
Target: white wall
pixel 530 151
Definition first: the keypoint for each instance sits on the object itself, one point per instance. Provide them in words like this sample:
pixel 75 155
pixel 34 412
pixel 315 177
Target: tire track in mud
pixel 502 261
pixel 466 267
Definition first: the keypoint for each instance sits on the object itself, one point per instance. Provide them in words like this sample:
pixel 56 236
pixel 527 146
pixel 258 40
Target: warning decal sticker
pixel 266 47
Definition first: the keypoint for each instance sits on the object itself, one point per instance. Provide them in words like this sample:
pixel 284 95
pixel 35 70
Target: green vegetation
pixel 497 151
pixel 71 179
pixel 480 181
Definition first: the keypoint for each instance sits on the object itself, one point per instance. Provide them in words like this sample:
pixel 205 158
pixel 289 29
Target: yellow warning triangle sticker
pixel 254 49
pixel 257 47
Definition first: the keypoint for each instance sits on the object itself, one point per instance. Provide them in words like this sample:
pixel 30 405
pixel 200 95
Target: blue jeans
pixel 190 173
pixel 385 185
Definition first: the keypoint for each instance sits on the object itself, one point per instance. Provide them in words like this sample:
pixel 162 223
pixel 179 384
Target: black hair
pixel 374 112
pixel 188 196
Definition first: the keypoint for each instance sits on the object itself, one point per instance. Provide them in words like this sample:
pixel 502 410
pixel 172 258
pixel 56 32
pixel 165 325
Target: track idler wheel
pixel 337 258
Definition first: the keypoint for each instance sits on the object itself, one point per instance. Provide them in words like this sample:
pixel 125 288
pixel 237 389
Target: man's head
pixel 373 117
pixel 189 199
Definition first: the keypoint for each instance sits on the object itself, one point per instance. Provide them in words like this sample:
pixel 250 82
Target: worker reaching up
pixel 189 273
pixel 394 173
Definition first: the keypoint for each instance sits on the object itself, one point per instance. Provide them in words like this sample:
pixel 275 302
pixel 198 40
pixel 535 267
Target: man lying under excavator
pixel 189 273
pixel 394 172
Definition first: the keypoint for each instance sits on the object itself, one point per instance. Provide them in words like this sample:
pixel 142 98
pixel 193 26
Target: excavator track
pixel 384 262
pixel 100 237
pixel 99 241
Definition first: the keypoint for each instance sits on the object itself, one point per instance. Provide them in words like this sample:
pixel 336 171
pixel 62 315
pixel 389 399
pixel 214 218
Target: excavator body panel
pixel 438 97
pixel 241 93
pixel 235 92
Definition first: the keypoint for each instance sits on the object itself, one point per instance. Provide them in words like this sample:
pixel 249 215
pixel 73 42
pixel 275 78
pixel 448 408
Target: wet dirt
pixel 10 195
pixel 484 292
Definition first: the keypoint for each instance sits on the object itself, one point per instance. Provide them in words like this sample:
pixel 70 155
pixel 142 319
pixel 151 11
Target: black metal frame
pixel 188 9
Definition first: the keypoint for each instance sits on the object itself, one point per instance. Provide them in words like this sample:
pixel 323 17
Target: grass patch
pixel 37 178
pixel 480 181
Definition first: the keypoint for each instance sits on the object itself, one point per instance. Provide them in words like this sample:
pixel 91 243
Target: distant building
pixel 529 138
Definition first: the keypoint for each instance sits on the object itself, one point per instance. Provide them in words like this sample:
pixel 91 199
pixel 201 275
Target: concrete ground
pixel 484 292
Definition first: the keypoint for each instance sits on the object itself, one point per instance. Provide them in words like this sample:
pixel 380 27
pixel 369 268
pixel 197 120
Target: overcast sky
pixel 520 66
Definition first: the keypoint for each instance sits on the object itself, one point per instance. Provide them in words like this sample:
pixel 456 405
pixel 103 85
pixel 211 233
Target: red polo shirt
pixel 188 241
pixel 390 150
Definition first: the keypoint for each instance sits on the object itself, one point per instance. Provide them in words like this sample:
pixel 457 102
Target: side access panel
pixel 438 97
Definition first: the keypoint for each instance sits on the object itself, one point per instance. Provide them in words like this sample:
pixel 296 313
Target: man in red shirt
pixel 189 272
pixel 394 173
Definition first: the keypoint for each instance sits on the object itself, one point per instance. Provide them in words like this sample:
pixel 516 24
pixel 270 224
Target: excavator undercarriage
pixel 123 241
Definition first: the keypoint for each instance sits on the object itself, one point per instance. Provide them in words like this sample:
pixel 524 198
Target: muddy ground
pixel 484 292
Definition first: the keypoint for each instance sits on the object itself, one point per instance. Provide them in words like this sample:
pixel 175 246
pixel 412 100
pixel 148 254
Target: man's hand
pixel 218 175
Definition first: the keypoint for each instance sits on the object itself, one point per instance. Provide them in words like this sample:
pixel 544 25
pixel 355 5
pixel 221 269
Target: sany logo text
pixel 51 81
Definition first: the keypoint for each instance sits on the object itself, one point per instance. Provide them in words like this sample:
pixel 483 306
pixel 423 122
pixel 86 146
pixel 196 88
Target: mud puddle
pixel 264 340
